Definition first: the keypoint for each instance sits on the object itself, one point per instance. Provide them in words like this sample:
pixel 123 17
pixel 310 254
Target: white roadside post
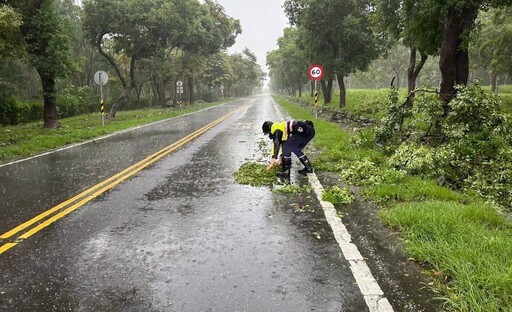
pixel 315 73
pixel 101 79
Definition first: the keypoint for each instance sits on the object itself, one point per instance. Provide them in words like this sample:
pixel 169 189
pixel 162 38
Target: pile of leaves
pixel 255 174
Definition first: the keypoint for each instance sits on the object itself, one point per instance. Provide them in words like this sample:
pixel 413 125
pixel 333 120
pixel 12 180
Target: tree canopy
pixel 336 34
pixel 143 29
pixel 11 40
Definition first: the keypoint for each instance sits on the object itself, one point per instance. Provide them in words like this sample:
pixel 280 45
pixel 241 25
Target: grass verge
pixel 463 243
pixel 29 139
pixel 466 248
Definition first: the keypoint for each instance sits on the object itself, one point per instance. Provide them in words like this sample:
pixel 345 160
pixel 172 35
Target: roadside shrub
pixel 418 159
pixel 475 113
pixel 364 138
pixel 73 101
pixel 13 112
pixel 470 145
pixel 391 125
pixel 8 111
pixel 366 172
pixel 208 97
pixel 492 180
pixel 29 111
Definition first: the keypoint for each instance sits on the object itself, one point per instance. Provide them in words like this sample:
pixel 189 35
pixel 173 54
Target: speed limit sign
pixel 315 72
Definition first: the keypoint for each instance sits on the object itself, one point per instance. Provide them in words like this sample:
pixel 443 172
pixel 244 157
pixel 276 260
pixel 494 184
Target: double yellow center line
pixel 100 188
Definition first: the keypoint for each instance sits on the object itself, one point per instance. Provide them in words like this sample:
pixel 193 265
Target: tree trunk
pixel 343 91
pixel 412 74
pixel 119 102
pixel 190 88
pixel 50 116
pixel 398 82
pixel 158 90
pixel 327 90
pixel 411 80
pixel 139 93
pixel 126 94
pixel 454 59
pixel 494 82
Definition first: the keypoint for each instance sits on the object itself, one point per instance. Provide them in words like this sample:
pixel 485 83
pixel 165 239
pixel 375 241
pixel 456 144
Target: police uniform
pixel 290 137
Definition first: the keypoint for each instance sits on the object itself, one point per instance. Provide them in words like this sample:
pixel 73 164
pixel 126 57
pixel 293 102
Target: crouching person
pixel 290 136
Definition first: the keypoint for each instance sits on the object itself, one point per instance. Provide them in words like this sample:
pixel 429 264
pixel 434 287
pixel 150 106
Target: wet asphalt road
pixel 178 236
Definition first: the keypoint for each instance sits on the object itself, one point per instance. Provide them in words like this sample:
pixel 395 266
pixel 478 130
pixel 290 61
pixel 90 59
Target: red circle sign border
pixel 321 72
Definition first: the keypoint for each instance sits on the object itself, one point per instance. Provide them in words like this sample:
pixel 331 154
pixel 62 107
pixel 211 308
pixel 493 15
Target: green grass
pixel 338 195
pixel 372 103
pixel 464 244
pixel 29 139
pixel 467 245
pixel 411 189
pixel 506 100
pixel 369 103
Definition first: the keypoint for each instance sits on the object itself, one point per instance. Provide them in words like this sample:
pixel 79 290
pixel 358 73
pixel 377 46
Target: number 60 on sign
pixel 315 72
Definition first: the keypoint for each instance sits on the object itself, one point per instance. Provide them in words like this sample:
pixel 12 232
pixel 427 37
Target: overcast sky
pixel 262 23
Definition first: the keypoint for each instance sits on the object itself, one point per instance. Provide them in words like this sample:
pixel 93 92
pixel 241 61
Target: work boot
pixel 285 167
pixel 307 165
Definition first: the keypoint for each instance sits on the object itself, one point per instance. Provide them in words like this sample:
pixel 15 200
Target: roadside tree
pixel 492 45
pixel 47 43
pixel 337 35
pixel 288 64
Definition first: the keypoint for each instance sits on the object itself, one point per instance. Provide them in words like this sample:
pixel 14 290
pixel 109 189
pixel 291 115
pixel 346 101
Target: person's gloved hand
pixel 272 164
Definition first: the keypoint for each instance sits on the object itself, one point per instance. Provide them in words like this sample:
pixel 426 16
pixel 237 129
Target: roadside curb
pixel 373 294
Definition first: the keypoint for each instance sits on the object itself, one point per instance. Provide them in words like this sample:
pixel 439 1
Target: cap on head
pixel 267 125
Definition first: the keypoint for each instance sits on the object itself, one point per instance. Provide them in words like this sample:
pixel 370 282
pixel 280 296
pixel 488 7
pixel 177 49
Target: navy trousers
pixel 297 141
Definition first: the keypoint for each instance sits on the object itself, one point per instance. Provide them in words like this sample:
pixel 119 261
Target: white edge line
pixel 373 294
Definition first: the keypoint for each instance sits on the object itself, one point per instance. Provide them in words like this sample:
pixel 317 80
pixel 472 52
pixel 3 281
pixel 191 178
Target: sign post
pixel 315 73
pixel 179 89
pixel 101 79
